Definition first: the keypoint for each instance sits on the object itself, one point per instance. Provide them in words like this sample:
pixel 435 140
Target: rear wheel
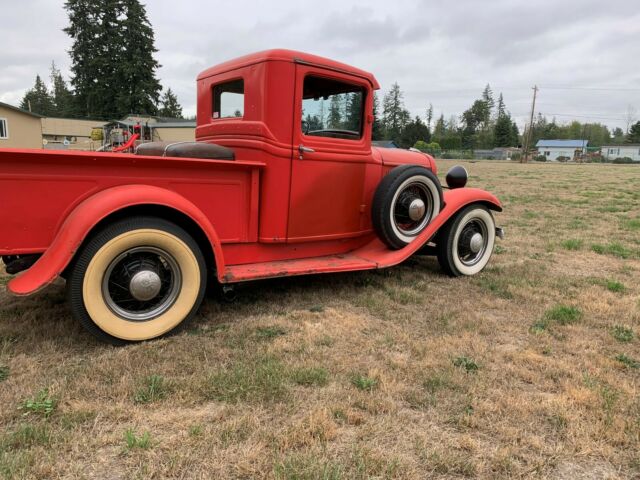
pixel 137 279
pixel 465 244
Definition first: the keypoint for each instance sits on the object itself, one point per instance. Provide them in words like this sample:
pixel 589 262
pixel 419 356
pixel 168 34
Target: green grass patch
pixel 309 377
pixel 4 373
pixel 630 223
pixel 26 436
pixel 154 389
pixel 253 379
pixel 133 441
pixel 362 382
pixel 307 467
pixel 468 364
pixel 572 244
pixel 40 404
pixel 614 286
pixel 563 314
pixel 622 334
pixel 615 249
pixel 627 361
pixel 539 327
pixel 270 332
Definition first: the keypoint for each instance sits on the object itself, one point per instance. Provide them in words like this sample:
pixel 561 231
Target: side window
pixel 228 99
pixel 4 131
pixel 331 108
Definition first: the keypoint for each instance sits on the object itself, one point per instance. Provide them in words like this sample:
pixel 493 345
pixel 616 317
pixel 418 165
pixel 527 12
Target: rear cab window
pixel 332 108
pixel 228 99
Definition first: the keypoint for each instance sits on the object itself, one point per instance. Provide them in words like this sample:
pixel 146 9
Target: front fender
pixel 88 214
pixel 454 200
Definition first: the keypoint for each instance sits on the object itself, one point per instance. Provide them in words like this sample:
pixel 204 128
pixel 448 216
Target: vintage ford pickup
pixel 282 180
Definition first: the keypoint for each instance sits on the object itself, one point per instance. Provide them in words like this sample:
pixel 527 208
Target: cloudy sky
pixel 583 54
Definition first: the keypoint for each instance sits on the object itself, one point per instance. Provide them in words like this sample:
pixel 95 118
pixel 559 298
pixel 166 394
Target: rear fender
pixel 88 214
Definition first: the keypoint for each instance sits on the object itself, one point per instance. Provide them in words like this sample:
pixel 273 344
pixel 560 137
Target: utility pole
pixel 530 131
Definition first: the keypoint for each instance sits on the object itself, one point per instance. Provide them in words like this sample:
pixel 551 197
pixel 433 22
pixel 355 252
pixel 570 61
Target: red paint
pixel 267 214
pixel 127 146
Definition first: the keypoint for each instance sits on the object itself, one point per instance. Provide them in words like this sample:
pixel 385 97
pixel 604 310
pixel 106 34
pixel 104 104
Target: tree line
pixel 112 64
pixel 486 124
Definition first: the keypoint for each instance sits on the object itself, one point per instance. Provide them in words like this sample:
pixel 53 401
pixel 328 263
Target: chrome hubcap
pixel 472 242
pixel 145 285
pixel 416 209
pixel 141 283
pixel 476 242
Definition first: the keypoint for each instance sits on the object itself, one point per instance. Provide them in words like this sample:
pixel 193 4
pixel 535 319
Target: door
pixel 331 156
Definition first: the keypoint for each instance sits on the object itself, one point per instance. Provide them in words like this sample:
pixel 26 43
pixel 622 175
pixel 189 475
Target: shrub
pixel 516 156
pixel 623 160
pixel 562 159
pixel 540 158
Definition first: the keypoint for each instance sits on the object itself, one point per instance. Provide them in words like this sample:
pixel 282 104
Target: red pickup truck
pixel 282 180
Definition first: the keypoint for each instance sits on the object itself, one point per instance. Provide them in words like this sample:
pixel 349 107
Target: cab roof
pixel 288 56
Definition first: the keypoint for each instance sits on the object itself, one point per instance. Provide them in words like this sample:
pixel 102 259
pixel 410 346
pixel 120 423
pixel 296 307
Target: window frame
pixel 363 103
pixel 6 128
pixel 213 99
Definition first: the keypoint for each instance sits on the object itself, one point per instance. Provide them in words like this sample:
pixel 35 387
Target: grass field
pixel 528 370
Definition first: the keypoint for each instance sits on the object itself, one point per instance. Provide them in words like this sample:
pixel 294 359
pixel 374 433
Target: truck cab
pixel 310 120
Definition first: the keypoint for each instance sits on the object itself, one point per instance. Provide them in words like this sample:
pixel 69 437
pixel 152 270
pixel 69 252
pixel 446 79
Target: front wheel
pixel 137 279
pixel 465 244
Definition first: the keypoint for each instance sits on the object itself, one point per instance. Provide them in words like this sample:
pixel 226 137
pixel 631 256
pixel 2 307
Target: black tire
pixel 453 242
pixel 169 262
pixel 389 207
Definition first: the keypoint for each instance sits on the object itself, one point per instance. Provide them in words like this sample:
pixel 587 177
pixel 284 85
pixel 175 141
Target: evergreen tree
pixel 63 101
pixel 503 131
pixel 429 116
pixel 139 89
pixel 413 132
pixel 501 107
pixel 439 130
pixel 515 135
pixel 354 112
pixel 112 58
pixel 395 116
pixel 170 106
pixel 376 131
pixel 487 97
pixel 334 120
pixel 313 123
pixel 38 100
pixel 634 133
pixel 618 135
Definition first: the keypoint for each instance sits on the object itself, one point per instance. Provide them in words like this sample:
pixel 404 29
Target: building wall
pixel 611 152
pixel 185 134
pixel 555 152
pixel 24 130
pixel 69 133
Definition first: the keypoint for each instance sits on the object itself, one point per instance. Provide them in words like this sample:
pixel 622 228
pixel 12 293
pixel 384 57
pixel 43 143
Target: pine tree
pixel 139 89
pixel 634 133
pixel 515 135
pixel 112 58
pixel 395 116
pixel 354 112
pixel 376 131
pixel 413 132
pixel 503 136
pixel 170 106
pixel 501 107
pixel 429 116
pixel 63 101
pixel 487 97
pixel 334 120
pixel 38 100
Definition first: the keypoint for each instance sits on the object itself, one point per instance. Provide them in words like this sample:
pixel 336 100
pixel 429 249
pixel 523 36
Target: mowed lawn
pixel 529 370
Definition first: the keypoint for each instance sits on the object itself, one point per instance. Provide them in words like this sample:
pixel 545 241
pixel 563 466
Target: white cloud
pixel 440 52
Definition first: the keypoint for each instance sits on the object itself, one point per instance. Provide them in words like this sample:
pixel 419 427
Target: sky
pixel 582 54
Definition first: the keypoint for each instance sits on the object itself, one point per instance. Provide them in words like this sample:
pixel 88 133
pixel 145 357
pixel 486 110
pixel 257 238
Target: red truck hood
pixel 397 156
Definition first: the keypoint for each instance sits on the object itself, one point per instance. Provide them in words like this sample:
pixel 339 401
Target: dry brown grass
pixel 403 373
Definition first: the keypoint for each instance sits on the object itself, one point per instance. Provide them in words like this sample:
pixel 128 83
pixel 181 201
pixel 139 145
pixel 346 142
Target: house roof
pixel 20 110
pixel 563 143
pixel 621 145
pixel 185 124
pixel 288 56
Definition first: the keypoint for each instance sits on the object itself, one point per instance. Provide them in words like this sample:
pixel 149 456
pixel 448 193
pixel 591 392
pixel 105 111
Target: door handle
pixel 302 150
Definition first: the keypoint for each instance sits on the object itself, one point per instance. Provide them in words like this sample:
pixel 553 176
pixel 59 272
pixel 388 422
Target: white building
pixel 629 150
pixel 553 149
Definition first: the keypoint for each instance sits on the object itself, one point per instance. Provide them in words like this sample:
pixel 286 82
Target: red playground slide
pixel 129 144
